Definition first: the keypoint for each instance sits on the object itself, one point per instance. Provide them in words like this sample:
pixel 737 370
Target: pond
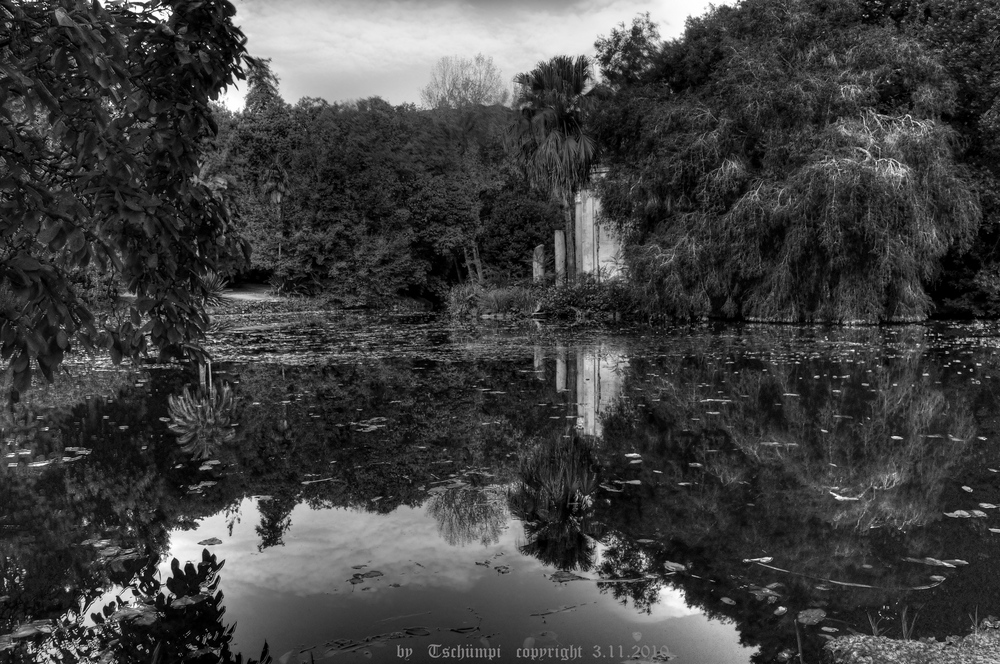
pixel 360 488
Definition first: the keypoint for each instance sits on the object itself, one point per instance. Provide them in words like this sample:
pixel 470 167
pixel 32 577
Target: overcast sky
pixel 351 49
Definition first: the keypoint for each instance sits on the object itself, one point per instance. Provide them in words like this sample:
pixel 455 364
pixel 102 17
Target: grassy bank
pixel 980 647
pixel 587 301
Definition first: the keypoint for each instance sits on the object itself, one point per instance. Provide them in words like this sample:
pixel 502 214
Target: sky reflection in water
pixel 306 588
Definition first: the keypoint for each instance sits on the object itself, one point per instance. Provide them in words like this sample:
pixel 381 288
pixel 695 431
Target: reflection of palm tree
pixel 553 498
pixel 469 514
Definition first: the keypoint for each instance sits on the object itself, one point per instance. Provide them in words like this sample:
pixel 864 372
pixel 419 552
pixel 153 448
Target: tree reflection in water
pixel 553 496
pixel 469 514
pixel 144 624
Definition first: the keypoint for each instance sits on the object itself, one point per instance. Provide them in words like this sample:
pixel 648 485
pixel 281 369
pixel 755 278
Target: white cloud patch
pixel 346 49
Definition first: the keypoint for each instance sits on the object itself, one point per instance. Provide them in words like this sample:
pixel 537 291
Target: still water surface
pixel 377 488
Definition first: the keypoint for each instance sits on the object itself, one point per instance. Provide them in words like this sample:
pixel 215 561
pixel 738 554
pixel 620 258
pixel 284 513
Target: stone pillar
pixel 560 242
pixel 539 363
pixel 588 246
pixel 538 264
pixel 579 219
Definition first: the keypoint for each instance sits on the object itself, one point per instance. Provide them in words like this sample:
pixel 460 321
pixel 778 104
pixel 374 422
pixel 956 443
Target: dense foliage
pixel 788 160
pixel 102 110
pixel 365 201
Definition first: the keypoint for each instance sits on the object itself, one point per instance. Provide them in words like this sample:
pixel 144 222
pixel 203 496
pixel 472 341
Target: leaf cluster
pixel 102 110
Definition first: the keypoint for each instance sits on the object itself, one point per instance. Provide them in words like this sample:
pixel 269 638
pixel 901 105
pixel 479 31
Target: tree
pixel 791 163
pixel 549 143
pixel 459 83
pixel 962 34
pixel 102 114
pixel 262 87
pixel 627 53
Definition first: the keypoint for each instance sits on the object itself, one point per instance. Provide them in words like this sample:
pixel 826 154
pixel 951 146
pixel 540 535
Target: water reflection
pixel 553 496
pixel 755 474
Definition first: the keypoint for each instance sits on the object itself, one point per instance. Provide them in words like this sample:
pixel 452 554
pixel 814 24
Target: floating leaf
pixel 967 488
pixel 633 455
pixel 765 559
pixel 637 636
pixel 958 514
pixel 930 561
pixel 811 616
pixel 416 631
pixel 674 567
pixel 727 600
pixel 780 611
pixel 211 541
pixel 563 576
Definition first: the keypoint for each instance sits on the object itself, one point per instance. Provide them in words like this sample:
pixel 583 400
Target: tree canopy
pixel 102 112
pixel 785 160
pixel 458 82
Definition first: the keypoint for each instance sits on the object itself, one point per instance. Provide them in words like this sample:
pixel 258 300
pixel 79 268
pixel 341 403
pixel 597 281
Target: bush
pixel 599 301
pixel 473 300
pixel 612 299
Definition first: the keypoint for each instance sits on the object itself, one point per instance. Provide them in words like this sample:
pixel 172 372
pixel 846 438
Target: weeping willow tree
pixel 783 161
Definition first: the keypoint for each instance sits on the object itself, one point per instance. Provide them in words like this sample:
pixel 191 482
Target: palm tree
pixel 275 187
pixel 548 142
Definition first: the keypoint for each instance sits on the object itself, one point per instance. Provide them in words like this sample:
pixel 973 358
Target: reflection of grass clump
pixel 202 421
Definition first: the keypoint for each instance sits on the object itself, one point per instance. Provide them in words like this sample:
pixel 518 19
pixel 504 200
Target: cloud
pixel 346 49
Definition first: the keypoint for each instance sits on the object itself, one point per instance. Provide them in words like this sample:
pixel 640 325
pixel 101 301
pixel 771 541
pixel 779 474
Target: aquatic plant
pixel 202 419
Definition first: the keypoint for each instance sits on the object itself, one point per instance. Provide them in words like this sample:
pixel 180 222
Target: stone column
pixel 538 264
pixel 560 242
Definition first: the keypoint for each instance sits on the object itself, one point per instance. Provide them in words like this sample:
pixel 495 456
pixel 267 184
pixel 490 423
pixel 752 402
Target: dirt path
pixel 252 293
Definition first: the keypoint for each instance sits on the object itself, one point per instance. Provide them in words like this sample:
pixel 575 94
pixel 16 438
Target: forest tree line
pixel 782 160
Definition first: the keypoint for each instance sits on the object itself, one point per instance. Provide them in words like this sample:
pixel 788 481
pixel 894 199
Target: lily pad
pixel 811 616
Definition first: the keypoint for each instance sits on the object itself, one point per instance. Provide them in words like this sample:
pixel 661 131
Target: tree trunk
pixel 479 263
pixel 570 227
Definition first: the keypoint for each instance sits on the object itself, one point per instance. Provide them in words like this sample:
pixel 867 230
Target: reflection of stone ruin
pixel 598 250
pixel 594 376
